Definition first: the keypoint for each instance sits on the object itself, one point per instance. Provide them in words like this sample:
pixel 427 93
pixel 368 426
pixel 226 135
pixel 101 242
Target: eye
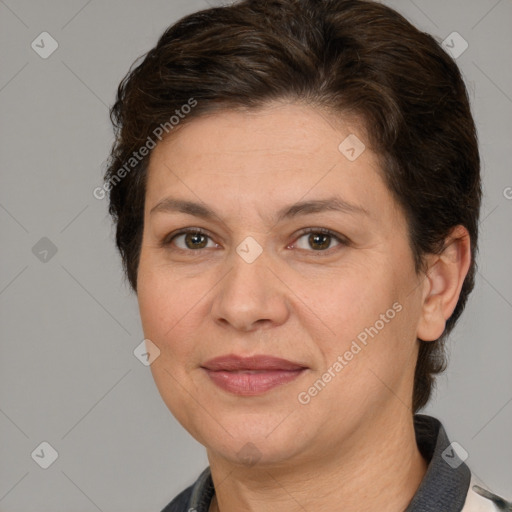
pixel 192 238
pixel 319 239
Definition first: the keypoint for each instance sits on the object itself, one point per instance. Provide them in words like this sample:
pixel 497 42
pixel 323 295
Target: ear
pixel 443 282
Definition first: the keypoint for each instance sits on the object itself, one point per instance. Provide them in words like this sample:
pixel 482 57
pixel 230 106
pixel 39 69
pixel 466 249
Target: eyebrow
pixel 173 205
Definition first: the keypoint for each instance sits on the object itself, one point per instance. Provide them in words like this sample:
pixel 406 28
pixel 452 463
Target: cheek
pixel 352 301
pixel 364 317
pixel 159 308
pixel 171 310
pixel 167 314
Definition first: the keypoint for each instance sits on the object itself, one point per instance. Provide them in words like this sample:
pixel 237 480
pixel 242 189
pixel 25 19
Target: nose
pixel 251 295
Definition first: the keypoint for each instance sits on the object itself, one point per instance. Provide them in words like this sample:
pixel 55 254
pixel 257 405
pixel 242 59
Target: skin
pixel 353 443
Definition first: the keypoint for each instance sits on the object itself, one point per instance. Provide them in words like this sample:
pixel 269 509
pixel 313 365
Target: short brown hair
pixel 347 56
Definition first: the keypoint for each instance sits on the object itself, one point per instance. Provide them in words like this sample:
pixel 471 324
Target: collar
pixel 444 486
pixel 446 482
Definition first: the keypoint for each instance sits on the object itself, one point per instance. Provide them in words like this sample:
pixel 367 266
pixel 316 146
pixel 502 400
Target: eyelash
pixel 166 242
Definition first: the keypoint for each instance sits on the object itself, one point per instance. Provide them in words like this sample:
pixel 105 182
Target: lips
pixel 251 375
pixel 260 362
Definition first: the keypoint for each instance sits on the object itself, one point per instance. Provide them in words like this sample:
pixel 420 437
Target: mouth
pixel 251 375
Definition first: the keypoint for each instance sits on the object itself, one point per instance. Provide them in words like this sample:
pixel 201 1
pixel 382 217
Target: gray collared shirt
pixel 447 486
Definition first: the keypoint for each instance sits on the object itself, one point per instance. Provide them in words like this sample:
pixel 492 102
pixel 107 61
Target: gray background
pixel 69 325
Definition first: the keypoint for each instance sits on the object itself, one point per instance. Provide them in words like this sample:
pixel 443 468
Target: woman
pixel 296 191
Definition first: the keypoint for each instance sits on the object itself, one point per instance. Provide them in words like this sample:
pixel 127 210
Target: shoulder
pixel 180 502
pixel 195 498
pixel 480 499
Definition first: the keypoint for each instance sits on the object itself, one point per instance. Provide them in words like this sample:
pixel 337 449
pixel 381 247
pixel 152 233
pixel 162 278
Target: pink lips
pixel 251 375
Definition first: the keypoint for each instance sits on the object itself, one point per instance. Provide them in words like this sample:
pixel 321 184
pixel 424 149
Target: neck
pixel 374 471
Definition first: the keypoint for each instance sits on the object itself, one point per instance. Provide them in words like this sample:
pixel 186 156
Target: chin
pixel 250 440
pixel 247 452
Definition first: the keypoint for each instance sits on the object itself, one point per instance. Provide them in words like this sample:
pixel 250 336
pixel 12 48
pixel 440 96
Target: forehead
pixel 283 153
pixel 277 128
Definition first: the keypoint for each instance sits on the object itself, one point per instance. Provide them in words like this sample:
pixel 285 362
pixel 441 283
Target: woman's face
pixel 344 306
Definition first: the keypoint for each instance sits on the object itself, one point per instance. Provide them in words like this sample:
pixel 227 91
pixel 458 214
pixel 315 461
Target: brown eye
pixel 192 239
pixel 195 240
pixel 320 240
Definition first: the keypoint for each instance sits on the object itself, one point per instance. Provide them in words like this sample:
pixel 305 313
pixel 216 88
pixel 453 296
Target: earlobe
pixel 443 283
